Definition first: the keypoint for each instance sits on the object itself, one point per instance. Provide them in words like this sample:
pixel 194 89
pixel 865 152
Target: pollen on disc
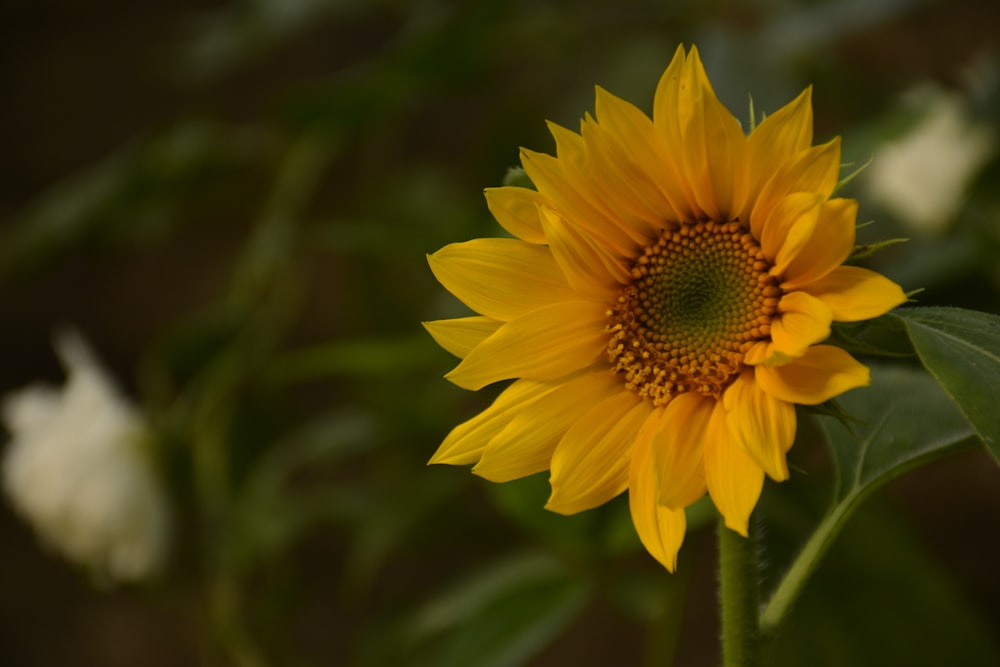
pixel 699 298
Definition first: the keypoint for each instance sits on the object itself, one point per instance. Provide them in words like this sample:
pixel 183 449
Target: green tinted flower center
pixel 699 298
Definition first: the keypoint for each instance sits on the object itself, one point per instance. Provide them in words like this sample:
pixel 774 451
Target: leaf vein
pixel 959 342
pixel 866 444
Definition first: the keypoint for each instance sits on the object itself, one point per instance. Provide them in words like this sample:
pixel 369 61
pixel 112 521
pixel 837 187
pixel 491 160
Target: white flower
pixel 76 469
pixel 922 176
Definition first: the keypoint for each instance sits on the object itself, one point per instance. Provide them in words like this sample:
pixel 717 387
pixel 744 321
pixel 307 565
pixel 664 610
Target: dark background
pixel 141 145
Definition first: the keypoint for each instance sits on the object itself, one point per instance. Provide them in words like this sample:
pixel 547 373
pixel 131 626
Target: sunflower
pixel 660 308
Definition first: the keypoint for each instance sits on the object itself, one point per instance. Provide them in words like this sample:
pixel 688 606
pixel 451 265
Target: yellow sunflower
pixel 660 308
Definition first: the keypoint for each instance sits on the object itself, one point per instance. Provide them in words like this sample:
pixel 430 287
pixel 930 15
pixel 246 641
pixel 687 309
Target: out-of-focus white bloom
pixel 77 471
pixel 922 176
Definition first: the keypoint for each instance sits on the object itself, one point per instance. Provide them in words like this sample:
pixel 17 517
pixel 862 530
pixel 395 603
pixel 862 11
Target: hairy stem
pixel 739 597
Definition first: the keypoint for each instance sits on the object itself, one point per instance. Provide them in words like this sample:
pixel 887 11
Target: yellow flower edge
pixel 661 307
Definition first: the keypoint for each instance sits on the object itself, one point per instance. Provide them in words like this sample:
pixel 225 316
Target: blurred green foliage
pixel 248 248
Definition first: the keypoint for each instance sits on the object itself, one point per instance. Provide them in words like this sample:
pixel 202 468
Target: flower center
pixel 699 298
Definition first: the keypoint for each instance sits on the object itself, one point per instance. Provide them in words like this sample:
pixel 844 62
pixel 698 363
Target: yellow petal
pixel 647 172
pixel 784 132
pixel 590 464
pixel 820 374
pixel 814 170
pixel 789 227
pixel 758 353
pixel 545 344
pixel 714 154
pixel 587 266
pixel 716 148
pixel 661 530
pixel 569 191
pixel 763 425
pixel 780 136
pixel 461 334
pixel 677 433
pixel 465 444
pixel 802 321
pixel 589 162
pixel 516 209
pixel 674 85
pixel 733 477
pixel 500 278
pixel 624 186
pixel 525 444
pixel 854 293
pixel 570 148
pixel 665 101
pixel 829 245
pixel 766 353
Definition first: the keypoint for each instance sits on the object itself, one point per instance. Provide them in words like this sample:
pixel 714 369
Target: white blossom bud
pixel 76 469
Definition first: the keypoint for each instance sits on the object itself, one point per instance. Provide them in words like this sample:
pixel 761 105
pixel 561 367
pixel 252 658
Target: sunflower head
pixel 661 308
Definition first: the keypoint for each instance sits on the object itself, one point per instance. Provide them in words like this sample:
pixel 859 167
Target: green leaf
pixel 883 336
pixel 499 617
pixel 882 598
pixel 961 349
pixel 905 420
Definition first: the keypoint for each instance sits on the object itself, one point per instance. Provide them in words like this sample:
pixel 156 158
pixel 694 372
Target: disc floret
pixel 699 298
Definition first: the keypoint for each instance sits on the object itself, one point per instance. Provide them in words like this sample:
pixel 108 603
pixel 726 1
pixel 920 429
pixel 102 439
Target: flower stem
pixel 739 597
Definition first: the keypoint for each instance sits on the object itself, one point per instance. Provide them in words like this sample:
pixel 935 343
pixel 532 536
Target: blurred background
pixel 233 201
